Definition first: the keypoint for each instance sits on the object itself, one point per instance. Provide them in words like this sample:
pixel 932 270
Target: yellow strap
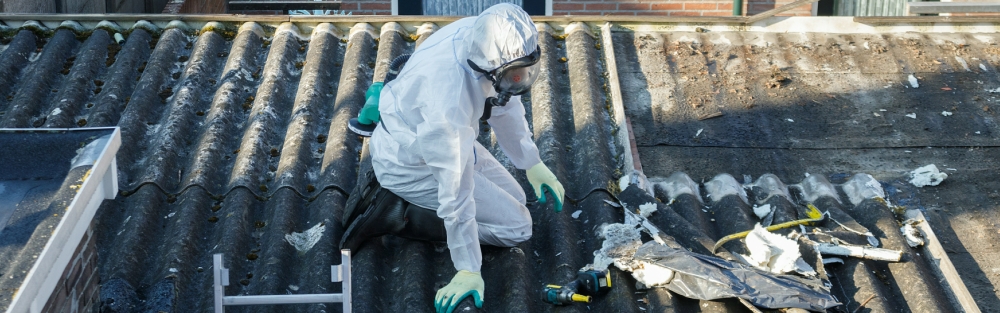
pixel 813 213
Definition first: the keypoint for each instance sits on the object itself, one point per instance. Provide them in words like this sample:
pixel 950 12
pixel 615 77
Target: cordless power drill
pixel 587 285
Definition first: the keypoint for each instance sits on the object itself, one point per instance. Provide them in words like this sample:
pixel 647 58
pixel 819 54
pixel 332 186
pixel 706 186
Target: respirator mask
pixel 511 79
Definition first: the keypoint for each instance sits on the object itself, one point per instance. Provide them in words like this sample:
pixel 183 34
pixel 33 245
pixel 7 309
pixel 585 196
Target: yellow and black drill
pixel 587 285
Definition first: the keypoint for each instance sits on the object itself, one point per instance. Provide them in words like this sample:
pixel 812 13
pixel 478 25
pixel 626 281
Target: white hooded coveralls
pixel 425 149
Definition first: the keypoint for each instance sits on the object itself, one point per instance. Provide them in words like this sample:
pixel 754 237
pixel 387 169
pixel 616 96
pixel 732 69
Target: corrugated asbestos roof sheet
pixel 234 136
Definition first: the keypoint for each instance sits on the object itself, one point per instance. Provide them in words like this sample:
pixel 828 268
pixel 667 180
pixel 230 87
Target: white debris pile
pixel 913 236
pixel 663 262
pixel 651 275
pixel 620 244
pixel 618 248
pixel 927 176
pixel 646 209
pixel 775 253
pixel 306 240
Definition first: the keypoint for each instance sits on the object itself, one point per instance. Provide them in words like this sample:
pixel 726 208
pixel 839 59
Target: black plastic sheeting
pixel 705 277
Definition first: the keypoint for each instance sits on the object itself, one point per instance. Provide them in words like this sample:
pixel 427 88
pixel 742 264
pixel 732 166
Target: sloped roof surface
pixel 234 136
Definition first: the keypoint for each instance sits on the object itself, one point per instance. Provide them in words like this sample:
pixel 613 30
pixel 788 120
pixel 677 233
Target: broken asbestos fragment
pixel 620 243
pixel 762 210
pixel 306 240
pixel 927 176
pixel 646 209
pixel 914 238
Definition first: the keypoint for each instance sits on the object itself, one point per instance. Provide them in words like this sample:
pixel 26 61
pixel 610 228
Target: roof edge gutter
pixel 101 184
pixel 624 138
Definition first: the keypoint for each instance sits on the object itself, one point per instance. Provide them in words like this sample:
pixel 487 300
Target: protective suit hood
pixel 501 34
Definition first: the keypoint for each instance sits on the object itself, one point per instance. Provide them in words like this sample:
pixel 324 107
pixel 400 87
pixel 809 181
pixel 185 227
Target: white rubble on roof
pixel 646 209
pixel 914 238
pixel 651 275
pixel 620 243
pixel 928 175
pixel 775 253
pixel 913 81
pixel 306 240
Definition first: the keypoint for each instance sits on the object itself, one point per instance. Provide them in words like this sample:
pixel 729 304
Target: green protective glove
pixel 465 283
pixel 541 179
pixel 369 113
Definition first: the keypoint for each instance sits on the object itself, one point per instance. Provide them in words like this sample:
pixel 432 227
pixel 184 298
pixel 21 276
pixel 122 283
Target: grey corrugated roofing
pixel 234 136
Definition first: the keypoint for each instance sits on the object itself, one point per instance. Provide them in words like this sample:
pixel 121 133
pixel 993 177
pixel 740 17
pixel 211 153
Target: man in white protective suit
pixel 433 180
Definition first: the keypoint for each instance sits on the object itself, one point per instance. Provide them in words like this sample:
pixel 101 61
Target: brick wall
pixel 78 289
pixel 367 7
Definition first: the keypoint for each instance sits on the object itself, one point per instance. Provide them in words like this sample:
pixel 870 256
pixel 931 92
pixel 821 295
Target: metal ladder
pixel 338 273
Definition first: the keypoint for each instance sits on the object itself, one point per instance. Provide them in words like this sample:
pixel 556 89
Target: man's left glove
pixel 369 113
pixel 465 283
pixel 541 178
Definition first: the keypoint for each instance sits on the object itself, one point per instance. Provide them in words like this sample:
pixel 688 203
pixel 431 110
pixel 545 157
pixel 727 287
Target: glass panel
pixel 461 7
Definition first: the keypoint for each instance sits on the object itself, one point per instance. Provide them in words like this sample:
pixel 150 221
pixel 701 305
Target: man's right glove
pixel 465 283
pixel 541 178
